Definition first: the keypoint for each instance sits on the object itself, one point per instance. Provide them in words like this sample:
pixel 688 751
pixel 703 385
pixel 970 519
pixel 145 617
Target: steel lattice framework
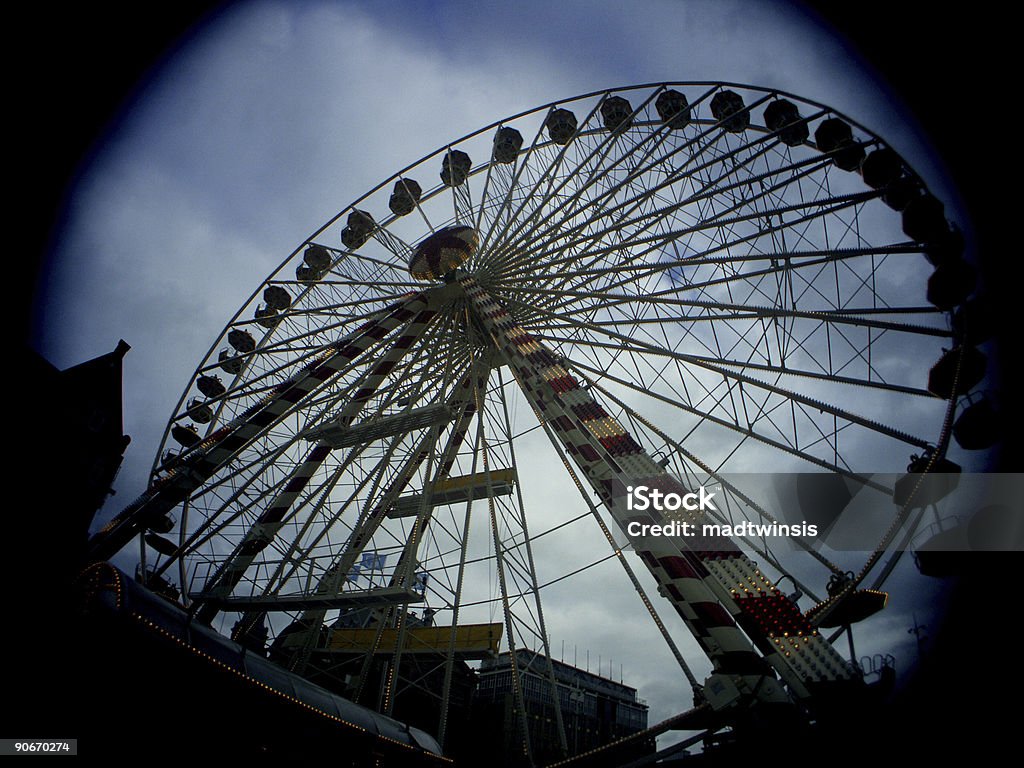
pixel 664 281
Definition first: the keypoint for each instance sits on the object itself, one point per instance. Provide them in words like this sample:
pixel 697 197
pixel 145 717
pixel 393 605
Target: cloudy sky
pixel 275 116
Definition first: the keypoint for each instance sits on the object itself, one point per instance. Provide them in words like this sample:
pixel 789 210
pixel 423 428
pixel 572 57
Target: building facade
pixel 595 710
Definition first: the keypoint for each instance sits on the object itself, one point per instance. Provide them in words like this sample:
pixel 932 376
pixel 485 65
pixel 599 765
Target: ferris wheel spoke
pixel 372 479
pixel 356 263
pixel 710 186
pixel 774 363
pixel 569 207
pixel 509 196
pixel 655 243
pixel 555 169
pixel 731 490
pixel 583 182
pixel 634 178
pixel 604 298
pixel 786 272
pixel 420 324
pixel 504 177
pixel 498 174
pixel 565 199
pixel 368 284
pixel 741 417
pixel 732 425
pixel 811 257
pixel 717 358
pixel 207 529
pixel 620 213
pixel 666 298
pixel 272 375
pixel 219 447
pixel 717 367
pixel 395 246
pixel 744 364
pixel 264 530
pixel 404 475
pixel 371 520
pixel 347 264
pixel 715 222
pixel 327 306
pixel 782 257
pixel 407 285
pixel 859 317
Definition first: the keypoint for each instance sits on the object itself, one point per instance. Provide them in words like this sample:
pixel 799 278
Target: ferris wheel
pixel 396 446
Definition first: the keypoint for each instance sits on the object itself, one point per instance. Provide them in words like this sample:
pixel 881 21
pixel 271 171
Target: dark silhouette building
pixel 73 444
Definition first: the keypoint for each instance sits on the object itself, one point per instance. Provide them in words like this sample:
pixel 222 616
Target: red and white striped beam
pixel 202 461
pixel 737 616
pixel 272 519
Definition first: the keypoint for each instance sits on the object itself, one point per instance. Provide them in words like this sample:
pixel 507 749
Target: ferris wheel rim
pixel 768 92
pixel 604 93
pixel 579 293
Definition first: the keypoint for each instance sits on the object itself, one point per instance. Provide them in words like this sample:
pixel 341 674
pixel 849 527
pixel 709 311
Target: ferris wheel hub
pixel 443 252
